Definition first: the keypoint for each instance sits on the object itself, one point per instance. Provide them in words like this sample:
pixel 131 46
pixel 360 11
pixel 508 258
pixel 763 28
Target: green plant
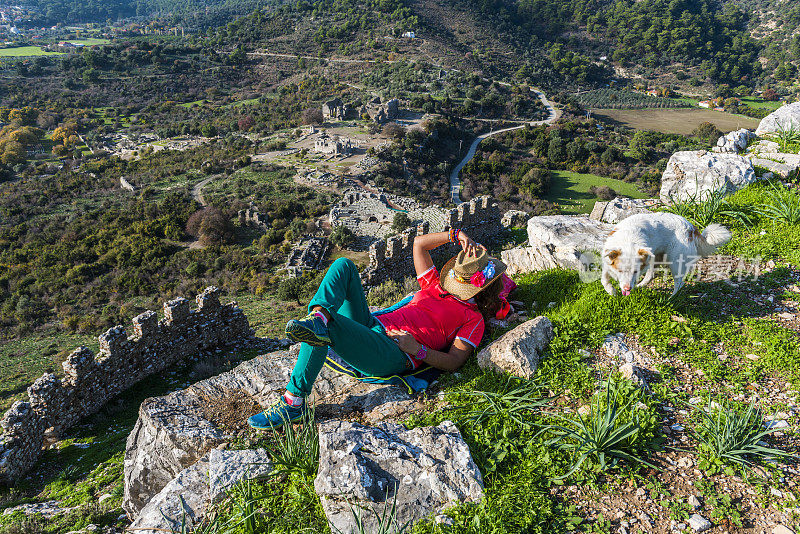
pixel 607 434
pixel 517 400
pixel 784 205
pixel 788 136
pixel 728 434
pixel 723 508
pixel 703 209
pixel 246 502
pixel 387 519
pixel 297 447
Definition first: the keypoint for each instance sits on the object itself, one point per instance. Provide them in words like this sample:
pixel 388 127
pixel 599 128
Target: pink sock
pixel 292 400
pixel 321 316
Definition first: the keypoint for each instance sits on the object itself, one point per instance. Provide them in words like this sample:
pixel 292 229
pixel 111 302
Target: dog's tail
pixel 713 237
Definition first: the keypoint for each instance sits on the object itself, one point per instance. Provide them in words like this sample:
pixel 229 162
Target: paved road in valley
pixel 455 181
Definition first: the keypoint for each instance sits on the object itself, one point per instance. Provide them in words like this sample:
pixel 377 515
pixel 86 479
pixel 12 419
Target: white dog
pixel 632 247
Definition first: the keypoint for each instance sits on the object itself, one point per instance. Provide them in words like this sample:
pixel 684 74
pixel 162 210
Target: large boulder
pixel 175 431
pixel 518 351
pixel 187 497
pixel 786 117
pixel 621 208
pixel 691 174
pixel 557 241
pixel 734 142
pixel 422 471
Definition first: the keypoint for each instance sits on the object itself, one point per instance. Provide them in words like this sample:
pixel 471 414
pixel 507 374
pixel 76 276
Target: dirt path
pixel 197 191
pixel 455 181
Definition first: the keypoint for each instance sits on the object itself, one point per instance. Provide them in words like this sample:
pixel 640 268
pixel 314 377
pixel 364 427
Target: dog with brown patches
pixel 632 248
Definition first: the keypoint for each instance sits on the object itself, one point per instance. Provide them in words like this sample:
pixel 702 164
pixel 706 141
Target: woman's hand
pixel 405 341
pixel 468 244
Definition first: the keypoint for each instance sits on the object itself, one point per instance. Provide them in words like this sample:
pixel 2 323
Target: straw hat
pixel 465 276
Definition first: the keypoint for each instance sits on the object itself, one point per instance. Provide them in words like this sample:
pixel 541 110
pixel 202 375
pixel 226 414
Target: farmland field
pixel 89 41
pixel 570 190
pixel 25 51
pixel 679 121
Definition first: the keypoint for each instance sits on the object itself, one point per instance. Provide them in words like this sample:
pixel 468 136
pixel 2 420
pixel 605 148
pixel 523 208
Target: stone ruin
pixel 336 109
pixel 334 145
pixel 253 218
pixel 90 380
pixel 376 110
pixel 381 112
pixel 370 215
pixel 391 259
pixel 307 255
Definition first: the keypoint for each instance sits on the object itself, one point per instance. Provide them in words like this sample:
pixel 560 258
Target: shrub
pixel 708 132
pixel 401 221
pixel 784 205
pixel 603 192
pixel 730 435
pixel 342 237
pixel 615 429
pixel 701 210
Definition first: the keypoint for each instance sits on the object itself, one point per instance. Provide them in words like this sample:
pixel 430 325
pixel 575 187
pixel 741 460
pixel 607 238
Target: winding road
pixel 197 191
pixel 455 182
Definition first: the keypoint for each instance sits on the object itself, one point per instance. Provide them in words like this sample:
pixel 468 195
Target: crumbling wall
pixel 91 380
pixel 392 259
pixel 254 218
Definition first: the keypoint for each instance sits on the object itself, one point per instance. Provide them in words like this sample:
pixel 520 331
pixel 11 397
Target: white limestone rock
pixel 173 432
pixel 189 495
pixel 785 117
pixel 699 523
pixel 184 499
pixel 698 174
pixel 734 142
pixel 557 241
pixel 426 469
pixel 621 208
pixel 519 350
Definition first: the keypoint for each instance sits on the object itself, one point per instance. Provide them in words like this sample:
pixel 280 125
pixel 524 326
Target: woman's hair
pixel 488 300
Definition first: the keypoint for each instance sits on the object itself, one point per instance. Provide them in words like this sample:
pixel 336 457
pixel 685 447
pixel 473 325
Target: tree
pixel 312 116
pixel 342 236
pixel 708 132
pixel 394 131
pixel 291 289
pixel 245 123
pixel 770 94
pixel 401 221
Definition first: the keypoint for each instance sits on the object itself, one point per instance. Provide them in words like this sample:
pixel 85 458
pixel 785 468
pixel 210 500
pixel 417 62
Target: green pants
pixel 356 336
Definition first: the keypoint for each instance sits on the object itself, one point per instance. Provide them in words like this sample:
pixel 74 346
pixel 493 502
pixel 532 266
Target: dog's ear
pixel 613 255
pixel 644 255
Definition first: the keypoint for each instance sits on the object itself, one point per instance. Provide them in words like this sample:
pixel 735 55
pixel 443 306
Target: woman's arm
pixel 446 361
pixel 427 242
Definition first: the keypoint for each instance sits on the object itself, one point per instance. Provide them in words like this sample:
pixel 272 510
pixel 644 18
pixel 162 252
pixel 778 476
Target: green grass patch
pixel 759 103
pixel 89 41
pixel 26 51
pixel 570 190
pixel 23 361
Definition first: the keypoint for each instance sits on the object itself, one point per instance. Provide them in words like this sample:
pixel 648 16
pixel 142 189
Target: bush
pixel 401 221
pixel 708 132
pixel 603 192
pixel 210 226
pixel 342 237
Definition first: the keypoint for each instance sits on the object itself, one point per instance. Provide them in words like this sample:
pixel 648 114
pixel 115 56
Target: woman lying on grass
pixel 447 314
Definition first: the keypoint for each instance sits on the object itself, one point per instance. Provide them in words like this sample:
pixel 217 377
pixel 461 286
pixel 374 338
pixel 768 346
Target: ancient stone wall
pixel 391 259
pixel 91 380
pixel 253 217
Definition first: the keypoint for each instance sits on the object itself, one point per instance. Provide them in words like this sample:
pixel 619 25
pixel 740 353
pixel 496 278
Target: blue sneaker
pixel 310 329
pixel 276 416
